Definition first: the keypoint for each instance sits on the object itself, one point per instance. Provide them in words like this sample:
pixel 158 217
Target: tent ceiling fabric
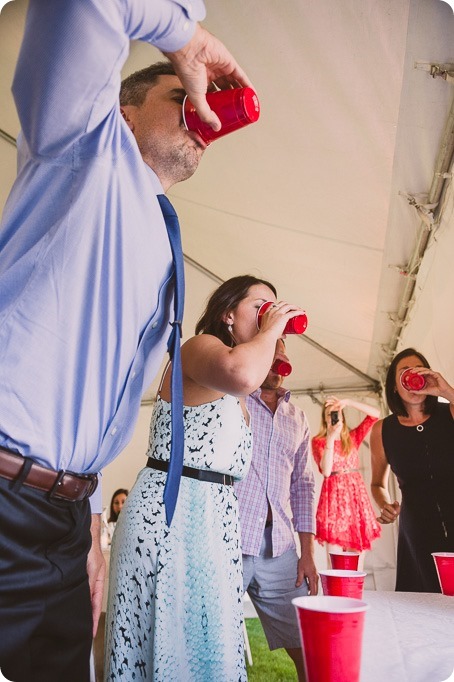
pixel 311 197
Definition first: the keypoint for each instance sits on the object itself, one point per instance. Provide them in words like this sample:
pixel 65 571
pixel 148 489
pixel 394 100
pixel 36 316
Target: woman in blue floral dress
pixel 175 601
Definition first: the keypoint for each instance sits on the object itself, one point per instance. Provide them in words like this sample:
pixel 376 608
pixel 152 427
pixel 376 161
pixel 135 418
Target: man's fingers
pixel 204 112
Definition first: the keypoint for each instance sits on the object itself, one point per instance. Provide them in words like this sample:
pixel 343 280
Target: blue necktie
pixel 177 445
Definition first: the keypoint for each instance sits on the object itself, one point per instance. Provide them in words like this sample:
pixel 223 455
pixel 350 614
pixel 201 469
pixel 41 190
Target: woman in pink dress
pixel 345 516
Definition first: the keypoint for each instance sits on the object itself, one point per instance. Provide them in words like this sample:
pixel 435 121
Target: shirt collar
pixel 154 180
pixel 282 393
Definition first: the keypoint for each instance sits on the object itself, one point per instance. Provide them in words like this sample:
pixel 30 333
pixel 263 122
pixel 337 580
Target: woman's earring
pixel 229 328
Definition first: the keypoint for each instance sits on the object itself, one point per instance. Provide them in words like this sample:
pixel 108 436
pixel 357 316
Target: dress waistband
pixel 199 474
pixel 60 484
pixel 342 471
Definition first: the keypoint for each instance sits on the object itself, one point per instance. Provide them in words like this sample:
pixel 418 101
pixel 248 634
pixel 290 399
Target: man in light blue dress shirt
pixel 86 295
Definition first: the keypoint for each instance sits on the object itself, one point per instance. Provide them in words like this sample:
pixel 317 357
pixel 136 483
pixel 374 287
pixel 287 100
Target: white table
pixel 408 637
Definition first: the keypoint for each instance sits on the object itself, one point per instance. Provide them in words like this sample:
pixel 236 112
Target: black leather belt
pixel 61 484
pixel 199 474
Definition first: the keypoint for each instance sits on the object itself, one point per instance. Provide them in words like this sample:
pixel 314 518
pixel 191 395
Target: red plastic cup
pixel 343 583
pixel 344 561
pixel 281 367
pixel 297 325
pixel 331 630
pixel 236 108
pixel 444 562
pixel 412 381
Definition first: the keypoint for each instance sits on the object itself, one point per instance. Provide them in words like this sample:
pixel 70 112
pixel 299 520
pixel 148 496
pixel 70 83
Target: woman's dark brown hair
pixel 393 399
pixel 222 301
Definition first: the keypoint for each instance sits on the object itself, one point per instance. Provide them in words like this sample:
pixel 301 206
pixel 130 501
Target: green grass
pixel 267 666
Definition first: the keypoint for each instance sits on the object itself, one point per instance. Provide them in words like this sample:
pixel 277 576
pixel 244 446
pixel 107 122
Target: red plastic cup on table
pixel 344 561
pixel 444 562
pixel 337 583
pixel 296 325
pixel 331 631
pixel 235 108
pixel 412 381
pixel 281 367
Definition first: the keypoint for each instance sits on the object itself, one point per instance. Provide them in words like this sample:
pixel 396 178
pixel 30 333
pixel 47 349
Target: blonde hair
pixel 346 441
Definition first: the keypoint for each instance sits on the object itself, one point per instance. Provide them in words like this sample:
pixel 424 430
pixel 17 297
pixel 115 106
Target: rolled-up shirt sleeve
pixel 167 24
pixel 68 74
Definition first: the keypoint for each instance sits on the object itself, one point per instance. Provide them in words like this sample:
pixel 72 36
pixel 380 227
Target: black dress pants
pixel 45 610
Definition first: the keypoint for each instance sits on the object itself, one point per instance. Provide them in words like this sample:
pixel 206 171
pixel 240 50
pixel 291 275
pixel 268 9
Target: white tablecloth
pixel 408 637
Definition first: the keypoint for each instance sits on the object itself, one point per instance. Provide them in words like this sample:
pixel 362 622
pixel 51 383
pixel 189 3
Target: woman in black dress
pixel 417 442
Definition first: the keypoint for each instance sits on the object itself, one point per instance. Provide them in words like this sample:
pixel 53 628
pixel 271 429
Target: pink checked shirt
pixel 281 473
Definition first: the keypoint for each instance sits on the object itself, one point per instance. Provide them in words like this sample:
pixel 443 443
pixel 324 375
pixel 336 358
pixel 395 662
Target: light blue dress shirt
pixel 86 289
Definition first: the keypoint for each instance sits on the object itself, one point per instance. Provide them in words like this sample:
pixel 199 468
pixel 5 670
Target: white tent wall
pixel 424 125
pixel 430 321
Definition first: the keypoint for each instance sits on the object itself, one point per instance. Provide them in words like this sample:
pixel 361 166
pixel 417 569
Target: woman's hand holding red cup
pixel 294 317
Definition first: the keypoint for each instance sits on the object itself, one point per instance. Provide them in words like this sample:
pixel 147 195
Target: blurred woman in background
pixel 345 516
pixel 116 504
pixel 109 517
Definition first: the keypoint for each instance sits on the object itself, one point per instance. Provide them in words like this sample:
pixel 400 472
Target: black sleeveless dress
pixel 422 458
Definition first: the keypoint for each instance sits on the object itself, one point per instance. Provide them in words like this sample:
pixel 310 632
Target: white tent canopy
pixel 341 194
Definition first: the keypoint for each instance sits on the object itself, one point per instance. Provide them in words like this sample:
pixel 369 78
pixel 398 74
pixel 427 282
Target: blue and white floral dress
pixel 175 609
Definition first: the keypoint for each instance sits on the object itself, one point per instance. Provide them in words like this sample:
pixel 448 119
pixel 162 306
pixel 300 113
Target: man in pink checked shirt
pixel 279 485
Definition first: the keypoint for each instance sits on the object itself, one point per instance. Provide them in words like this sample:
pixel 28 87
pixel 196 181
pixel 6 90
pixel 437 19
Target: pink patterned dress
pixel 345 515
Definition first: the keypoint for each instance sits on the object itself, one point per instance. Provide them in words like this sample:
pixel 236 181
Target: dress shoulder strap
pixel 163 377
